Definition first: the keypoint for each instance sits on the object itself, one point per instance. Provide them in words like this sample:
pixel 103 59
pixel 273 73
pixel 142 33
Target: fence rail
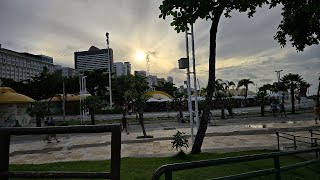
pixel 114 174
pixel 168 169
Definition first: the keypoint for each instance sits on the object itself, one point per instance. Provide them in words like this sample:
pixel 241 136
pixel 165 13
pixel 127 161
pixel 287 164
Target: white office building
pixel 66 71
pixel 22 66
pixel 170 79
pixel 94 58
pixel 122 69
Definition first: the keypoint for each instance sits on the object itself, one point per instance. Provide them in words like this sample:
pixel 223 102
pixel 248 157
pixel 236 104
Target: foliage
pixel 121 86
pixel 179 141
pixel 93 103
pixel 97 82
pixel 245 83
pixel 167 87
pixel 38 109
pixel 294 12
pixel 292 82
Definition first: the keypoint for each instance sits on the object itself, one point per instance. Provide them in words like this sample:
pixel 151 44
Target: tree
pixel 39 109
pixel 220 94
pixel 261 95
pixel 292 82
pixel 227 86
pixel 97 82
pixel 178 99
pixel 245 83
pixel 120 86
pixel 138 87
pixel 92 103
pixel 167 87
pixel 188 11
pixel 318 93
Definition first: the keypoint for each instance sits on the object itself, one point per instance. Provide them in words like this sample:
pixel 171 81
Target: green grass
pixel 143 168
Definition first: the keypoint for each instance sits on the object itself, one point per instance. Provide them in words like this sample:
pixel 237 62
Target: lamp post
pixel 278 77
pixel 184 64
pixel 108 50
pixel 83 90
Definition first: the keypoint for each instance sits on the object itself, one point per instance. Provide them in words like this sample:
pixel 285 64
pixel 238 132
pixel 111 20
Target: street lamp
pixel 109 58
pixel 83 91
pixel 278 76
pixel 184 64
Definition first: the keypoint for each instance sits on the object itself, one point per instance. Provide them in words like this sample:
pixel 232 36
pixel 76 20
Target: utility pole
pixel 109 58
pixel 64 100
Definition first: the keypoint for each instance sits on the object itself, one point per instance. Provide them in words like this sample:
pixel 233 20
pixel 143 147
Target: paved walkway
pixel 224 138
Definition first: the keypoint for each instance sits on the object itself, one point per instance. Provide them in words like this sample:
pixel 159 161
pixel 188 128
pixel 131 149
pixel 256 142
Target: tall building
pixel 21 66
pixel 170 79
pixel 122 69
pixel 141 73
pixel 94 58
pixel 66 71
pixel 153 81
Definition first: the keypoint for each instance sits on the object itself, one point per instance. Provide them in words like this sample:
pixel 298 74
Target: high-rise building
pixel 122 69
pixel 141 73
pixel 66 71
pixel 94 58
pixel 170 79
pixel 21 66
pixel 153 81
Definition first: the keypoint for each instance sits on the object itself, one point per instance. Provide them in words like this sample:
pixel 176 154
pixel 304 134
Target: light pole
pixel 108 50
pixel 278 75
pixel 184 64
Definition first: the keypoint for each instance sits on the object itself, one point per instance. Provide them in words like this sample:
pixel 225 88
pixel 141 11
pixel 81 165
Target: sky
pixel 245 46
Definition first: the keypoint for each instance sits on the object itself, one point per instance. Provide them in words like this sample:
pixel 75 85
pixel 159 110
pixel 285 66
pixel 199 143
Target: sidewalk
pixel 97 146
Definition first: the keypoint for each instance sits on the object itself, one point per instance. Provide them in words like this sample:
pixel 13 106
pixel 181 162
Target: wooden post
pixel 277 167
pixel 278 139
pixel 168 175
pixel 115 153
pixel 4 156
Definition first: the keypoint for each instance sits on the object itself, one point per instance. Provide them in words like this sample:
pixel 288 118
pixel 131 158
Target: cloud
pixel 245 46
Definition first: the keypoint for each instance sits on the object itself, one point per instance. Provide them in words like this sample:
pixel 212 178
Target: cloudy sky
pixel 246 48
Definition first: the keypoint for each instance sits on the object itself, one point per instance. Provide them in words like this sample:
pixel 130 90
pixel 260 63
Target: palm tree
pixel 245 83
pixel 262 94
pixel 227 86
pixel 39 109
pixel 220 94
pixel 92 103
pixel 292 82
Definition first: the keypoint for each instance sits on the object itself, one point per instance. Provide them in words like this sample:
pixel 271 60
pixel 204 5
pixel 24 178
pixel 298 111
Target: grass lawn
pixel 143 168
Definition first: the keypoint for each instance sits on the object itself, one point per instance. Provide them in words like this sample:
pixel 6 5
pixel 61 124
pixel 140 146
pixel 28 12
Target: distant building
pixel 94 58
pixel 170 79
pixel 122 69
pixel 153 81
pixel 66 71
pixel 161 80
pixel 141 73
pixel 21 66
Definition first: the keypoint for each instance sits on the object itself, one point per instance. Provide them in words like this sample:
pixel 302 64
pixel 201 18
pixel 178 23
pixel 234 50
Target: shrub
pixel 179 141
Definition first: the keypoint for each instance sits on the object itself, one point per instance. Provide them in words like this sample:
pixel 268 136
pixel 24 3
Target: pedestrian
pixel 50 122
pixel 316 110
pixel 274 108
pixel 124 123
pixel 282 109
pixel 229 109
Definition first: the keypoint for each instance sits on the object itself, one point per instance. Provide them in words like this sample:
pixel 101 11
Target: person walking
pixel 124 123
pixel 229 109
pixel 282 110
pixel 316 111
pixel 50 122
pixel 274 109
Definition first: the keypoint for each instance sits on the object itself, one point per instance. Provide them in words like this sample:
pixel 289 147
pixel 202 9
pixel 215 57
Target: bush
pixel 179 141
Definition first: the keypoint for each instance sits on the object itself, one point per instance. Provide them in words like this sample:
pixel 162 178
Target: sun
pixel 140 56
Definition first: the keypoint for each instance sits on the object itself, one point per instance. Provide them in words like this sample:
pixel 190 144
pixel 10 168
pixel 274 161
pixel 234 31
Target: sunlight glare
pixel 140 56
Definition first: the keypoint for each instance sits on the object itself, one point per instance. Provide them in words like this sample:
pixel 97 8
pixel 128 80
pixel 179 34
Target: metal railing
pixel 168 169
pixel 114 173
pixel 314 132
pixel 312 141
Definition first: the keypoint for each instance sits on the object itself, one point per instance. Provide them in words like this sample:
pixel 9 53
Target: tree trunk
pixel 38 120
pixel 222 111
pixel 142 123
pixel 262 109
pixel 92 117
pixel 292 100
pixel 318 94
pixel 196 148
